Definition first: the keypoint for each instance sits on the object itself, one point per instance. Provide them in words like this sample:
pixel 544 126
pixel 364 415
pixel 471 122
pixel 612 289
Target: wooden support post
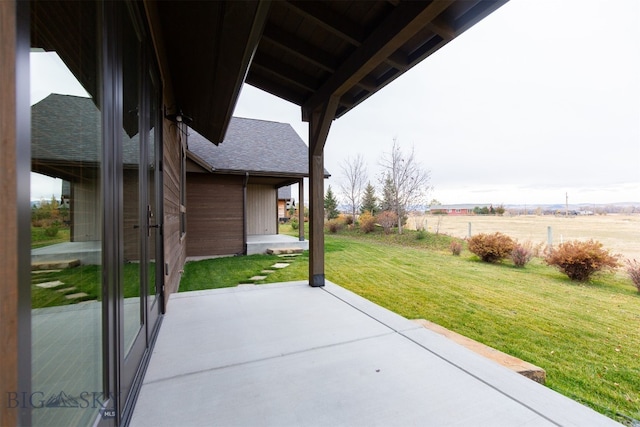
pixel 320 122
pixel 301 210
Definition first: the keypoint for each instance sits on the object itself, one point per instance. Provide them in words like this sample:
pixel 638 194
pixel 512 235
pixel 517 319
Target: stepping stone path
pixel 76 295
pixel 284 263
pixel 48 285
pixel 55 285
pixel 280 265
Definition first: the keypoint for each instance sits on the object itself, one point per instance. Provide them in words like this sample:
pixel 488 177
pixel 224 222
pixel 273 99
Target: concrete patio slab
pixel 288 354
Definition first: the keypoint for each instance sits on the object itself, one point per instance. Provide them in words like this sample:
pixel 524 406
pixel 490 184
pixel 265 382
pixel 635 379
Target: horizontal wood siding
pixel 214 215
pixel 261 210
pixel 174 245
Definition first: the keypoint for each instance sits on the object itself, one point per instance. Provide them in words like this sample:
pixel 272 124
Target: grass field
pixel 618 233
pixel 584 335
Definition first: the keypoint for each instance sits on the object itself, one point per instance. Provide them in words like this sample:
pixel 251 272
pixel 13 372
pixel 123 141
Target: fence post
pixel 469 230
pixel 549 236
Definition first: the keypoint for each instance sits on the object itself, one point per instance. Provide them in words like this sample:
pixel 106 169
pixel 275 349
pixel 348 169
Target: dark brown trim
pixel 301 210
pixel 15 246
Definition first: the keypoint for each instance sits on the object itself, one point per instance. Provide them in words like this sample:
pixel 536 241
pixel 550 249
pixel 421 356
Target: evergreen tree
pixel 388 194
pixel 369 200
pixel 330 205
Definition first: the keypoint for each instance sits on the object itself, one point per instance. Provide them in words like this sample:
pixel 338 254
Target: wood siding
pixel 174 245
pixel 261 210
pixel 215 215
pixel 87 224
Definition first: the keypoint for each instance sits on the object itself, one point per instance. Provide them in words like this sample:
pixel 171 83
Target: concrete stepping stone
pixel 45 271
pixel 63 290
pixel 279 251
pixel 48 285
pixel 280 265
pixel 257 278
pixel 267 271
pixel 76 295
pixel 52 265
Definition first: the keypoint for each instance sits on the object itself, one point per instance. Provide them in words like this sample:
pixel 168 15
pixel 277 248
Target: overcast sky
pixel 540 99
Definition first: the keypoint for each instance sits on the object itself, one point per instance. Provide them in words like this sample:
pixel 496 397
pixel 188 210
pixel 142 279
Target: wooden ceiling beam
pixel 294 45
pixel 443 28
pixel 402 24
pixel 268 85
pixel 318 12
pixel 368 83
pixel 270 65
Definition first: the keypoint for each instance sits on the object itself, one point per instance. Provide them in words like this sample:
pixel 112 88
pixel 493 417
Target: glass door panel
pixel 133 208
pixel 66 215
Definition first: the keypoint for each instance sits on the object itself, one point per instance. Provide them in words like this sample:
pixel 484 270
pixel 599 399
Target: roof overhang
pixel 306 52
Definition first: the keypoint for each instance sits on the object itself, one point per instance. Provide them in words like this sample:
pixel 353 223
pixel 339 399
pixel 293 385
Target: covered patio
pixel 289 354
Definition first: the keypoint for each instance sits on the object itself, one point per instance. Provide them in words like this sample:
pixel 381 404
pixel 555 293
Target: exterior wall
pixel 215 223
pixel 261 210
pixel 174 240
pixel 84 199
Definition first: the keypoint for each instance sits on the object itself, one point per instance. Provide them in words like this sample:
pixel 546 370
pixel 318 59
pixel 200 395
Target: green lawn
pixel 85 278
pixel 39 237
pixel 586 336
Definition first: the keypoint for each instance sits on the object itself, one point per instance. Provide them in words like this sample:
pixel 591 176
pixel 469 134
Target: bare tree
pixel 355 179
pixel 409 179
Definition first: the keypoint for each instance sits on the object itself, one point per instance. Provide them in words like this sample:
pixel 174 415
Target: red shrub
pixel 579 260
pixel 522 254
pixel 387 220
pixel 491 247
pixel 633 269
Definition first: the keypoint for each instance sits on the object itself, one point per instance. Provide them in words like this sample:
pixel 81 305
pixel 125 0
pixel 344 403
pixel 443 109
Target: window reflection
pixel 66 222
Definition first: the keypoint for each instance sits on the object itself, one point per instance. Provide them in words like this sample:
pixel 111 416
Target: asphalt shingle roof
pixel 254 146
pixel 68 128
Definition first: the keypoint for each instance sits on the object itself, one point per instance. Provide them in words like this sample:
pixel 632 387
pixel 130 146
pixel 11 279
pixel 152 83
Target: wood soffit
pixel 305 52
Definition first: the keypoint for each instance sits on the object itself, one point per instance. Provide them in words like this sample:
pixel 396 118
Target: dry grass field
pixel 618 233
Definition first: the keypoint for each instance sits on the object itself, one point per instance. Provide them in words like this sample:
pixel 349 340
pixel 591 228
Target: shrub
pixel 522 254
pixel 491 247
pixel 579 260
pixel 455 247
pixel 347 219
pixel 367 222
pixel 421 235
pixel 334 225
pixel 294 223
pixel 52 230
pixel 633 269
pixel 387 220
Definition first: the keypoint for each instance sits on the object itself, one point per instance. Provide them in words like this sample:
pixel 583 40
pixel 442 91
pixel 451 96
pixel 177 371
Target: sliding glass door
pixel 96 210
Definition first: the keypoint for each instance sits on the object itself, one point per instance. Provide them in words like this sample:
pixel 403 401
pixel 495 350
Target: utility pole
pixel 566 210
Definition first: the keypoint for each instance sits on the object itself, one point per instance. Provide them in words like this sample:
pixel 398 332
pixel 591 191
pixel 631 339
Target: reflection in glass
pixel 66 221
pixel 134 221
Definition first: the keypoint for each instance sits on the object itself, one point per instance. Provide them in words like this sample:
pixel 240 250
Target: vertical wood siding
pixel 261 210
